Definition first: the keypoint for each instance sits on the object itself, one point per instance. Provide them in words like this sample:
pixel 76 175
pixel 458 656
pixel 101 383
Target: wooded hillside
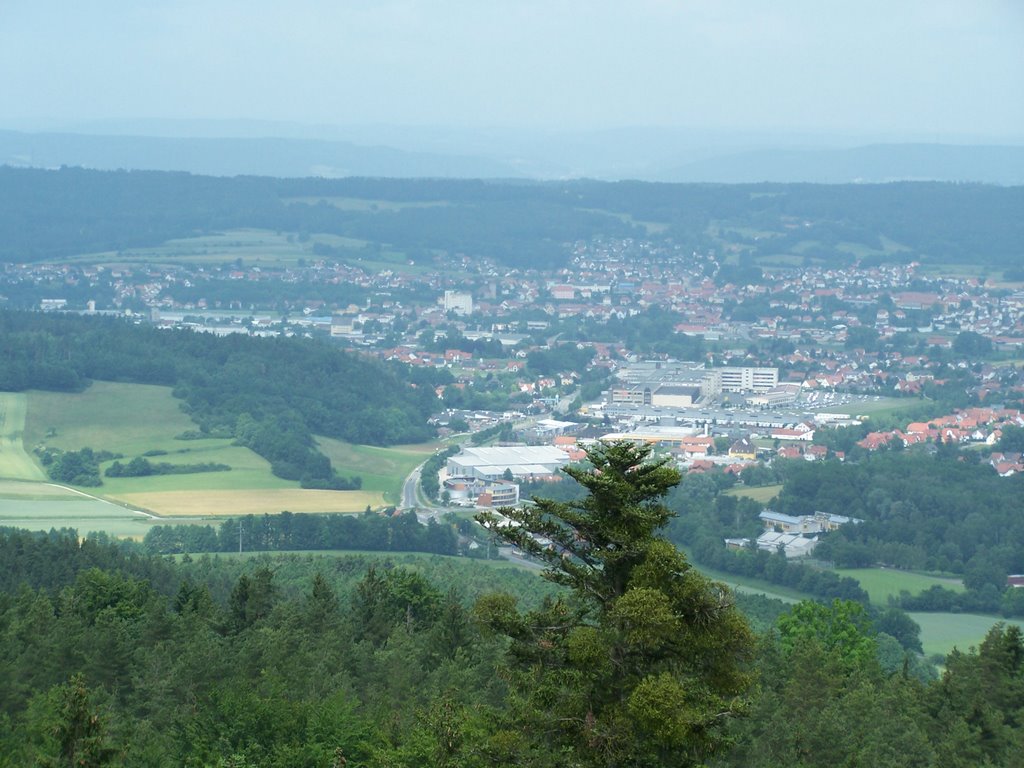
pixel 53 214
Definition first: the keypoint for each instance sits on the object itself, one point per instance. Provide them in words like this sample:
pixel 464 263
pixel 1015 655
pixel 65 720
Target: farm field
pixel 42 506
pixel 883 583
pixel 131 419
pixel 762 493
pixel 250 247
pixel 206 503
pixel 255 247
pixel 14 460
pixel 941 632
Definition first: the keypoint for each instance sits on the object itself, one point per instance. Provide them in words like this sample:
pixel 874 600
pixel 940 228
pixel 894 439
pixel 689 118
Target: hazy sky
pixel 900 67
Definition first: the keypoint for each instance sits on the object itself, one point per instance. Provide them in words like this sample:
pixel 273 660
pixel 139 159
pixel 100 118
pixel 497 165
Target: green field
pixel 14 461
pixel 883 583
pixel 250 247
pixel 941 632
pixel 125 418
pixel 884 405
pixel 42 506
pixel 382 469
pixel 84 514
pixel 761 493
pixel 254 248
pixel 132 419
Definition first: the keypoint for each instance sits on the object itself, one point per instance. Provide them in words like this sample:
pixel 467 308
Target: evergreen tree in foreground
pixel 646 660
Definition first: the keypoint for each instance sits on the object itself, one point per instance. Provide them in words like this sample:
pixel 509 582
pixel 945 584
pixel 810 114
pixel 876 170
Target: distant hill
pixel 878 163
pixel 238 156
pixel 54 214
pixel 645 155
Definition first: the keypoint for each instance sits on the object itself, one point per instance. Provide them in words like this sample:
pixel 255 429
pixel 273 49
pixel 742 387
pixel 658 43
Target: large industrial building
pixel 523 462
pixel 681 384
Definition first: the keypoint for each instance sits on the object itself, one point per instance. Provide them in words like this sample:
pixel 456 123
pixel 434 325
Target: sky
pixel 921 69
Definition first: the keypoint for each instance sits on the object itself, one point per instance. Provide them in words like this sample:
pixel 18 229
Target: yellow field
pixel 14 461
pixel 762 494
pixel 249 502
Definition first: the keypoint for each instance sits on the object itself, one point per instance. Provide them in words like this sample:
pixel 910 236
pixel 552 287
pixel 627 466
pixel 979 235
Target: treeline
pixel 270 394
pixel 50 214
pixel 776 568
pixel 122 660
pixel 429 475
pixel 142 467
pixel 299 532
pixel 81 467
pixel 944 512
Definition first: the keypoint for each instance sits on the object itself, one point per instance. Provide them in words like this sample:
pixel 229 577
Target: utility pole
pixel 239 535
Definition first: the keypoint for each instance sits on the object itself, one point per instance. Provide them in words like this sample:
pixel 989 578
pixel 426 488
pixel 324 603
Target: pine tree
pixel 644 662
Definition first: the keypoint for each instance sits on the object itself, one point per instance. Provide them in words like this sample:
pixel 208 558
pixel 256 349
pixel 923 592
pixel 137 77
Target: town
pixel 722 366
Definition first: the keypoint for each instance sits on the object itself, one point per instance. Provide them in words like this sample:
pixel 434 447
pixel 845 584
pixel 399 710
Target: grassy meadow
pixel 883 583
pixel 382 469
pixel 759 493
pixel 941 632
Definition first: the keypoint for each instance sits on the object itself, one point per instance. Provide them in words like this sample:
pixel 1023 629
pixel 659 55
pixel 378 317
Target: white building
pixel 748 379
pixel 523 462
pixel 458 302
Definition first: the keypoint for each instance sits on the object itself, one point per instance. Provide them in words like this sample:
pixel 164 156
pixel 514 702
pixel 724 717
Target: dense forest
pixel 630 658
pixel 290 532
pixel 270 394
pixel 53 214
pixel 940 512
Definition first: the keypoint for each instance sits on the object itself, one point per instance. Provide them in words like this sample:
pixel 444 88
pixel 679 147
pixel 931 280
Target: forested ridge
pixel 270 394
pixel 54 214
pixel 117 659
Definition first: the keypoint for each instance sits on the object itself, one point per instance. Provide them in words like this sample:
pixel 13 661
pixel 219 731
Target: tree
pixel 77 733
pixel 645 661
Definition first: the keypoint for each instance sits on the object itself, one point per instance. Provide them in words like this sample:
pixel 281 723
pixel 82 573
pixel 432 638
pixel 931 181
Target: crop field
pixel 131 419
pixel 14 461
pixel 42 506
pixel 254 247
pixel 883 583
pixel 941 632
pixel 761 493
pixel 249 502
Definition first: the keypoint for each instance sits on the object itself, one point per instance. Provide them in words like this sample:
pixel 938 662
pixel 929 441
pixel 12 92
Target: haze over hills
pixel 261 148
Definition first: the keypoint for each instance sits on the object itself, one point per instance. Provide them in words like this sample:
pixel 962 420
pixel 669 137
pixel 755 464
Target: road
pixel 509 553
